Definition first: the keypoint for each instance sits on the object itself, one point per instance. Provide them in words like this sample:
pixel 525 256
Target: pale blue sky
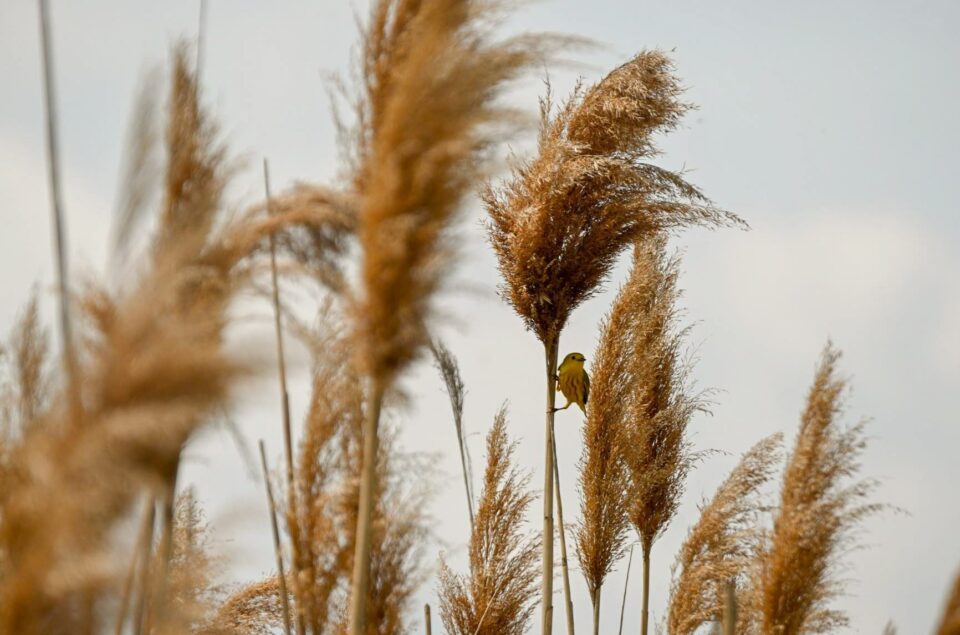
pixel 831 127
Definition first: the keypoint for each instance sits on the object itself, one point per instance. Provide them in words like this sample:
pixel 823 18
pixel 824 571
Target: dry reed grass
pixel 722 545
pixel 559 223
pixel 822 504
pixel 498 596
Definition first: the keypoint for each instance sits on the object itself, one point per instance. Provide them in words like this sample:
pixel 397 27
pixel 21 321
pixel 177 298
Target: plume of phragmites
pixel 601 532
pixel 154 372
pixel 821 507
pixel 558 225
pixel 722 545
pixel 656 451
pixel 325 503
pixel 498 596
pixel 950 622
pixel 431 82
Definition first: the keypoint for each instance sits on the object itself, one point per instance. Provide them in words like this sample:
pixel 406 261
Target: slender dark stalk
pixel 426 619
pixel 568 603
pixel 281 574
pixel 278 330
pixel 645 549
pixel 361 557
pixel 550 350
pixel 626 582
pixel 284 392
pixel 56 201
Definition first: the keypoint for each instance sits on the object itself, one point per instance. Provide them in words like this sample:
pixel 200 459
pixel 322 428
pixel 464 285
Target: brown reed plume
pixel 821 507
pixel 950 621
pixel 723 543
pixel 154 371
pixel 601 533
pixel 559 223
pixel 450 372
pixel 498 596
pixel 431 78
pixel 323 520
pixel 659 402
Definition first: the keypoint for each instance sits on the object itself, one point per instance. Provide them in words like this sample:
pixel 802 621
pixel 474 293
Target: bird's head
pixel 574 358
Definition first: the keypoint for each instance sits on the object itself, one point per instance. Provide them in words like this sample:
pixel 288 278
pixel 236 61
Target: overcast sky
pixel 831 127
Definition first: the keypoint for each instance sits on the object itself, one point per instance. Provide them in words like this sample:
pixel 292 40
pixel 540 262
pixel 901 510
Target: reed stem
pixel 281 575
pixel 56 209
pixel 361 558
pixel 626 582
pixel 568 603
pixel 426 619
pixel 146 549
pixel 550 350
pixel 596 611
pixel 645 615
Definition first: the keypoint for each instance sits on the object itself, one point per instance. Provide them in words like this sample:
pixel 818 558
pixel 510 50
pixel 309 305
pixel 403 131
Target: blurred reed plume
pixel 324 504
pixel 431 79
pixel 950 621
pixel 450 372
pixel 821 507
pixel 722 545
pixel 659 402
pixel 498 596
pixel 154 370
pixel 559 223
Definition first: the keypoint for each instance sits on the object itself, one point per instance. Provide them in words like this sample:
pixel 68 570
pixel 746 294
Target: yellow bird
pixel 573 381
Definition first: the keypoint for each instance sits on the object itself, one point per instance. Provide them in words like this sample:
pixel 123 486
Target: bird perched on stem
pixel 573 381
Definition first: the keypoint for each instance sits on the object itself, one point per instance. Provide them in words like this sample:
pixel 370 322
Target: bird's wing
pixel 586 387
